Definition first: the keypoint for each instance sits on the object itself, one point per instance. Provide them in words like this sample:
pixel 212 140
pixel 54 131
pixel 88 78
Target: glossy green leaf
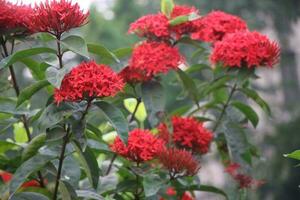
pixel 247 111
pixel 89 194
pixel 37 69
pixel 28 92
pixel 131 103
pixel 152 183
pixel 55 76
pixel 115 117
pixel 167 7
pixel 207 188
pixel 19 55
pixel 294 155
pixel 179 20
pixel 67 191
pixel 102 52
pixel 5 146
pixel 28 196
pixel 20 134
pixel 123 52
pixel 255 97
pixel 89 164
pixel 76 44
pixel 154 98
pixel 34 145
pixel 189 85
pixel 30 166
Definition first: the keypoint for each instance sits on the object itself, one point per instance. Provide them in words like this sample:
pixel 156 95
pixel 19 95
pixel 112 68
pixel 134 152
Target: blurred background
pixel 280 20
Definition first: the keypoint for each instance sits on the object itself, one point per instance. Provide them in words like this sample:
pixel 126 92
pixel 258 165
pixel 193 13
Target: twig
pixel 111 164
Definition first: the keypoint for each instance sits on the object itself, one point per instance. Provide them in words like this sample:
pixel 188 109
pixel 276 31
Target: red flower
pixel 178 162
pixel 155 57
pixel 171 191
pixel 187 196
pixel 214 26
pixel 14 18
pixel 132 76
pixel 90 80
pixel 57 17
pixel 188 133
pixel 249 49
pixel 6 178
pixel 142 146
pixel 187 27
pixel 154 25
pixel 243 180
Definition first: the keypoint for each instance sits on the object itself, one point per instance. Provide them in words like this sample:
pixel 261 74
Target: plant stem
pixel 225 107
pixel 111 163
pixel 17 91
pixel 136 193
pixel 139 100
pixel 59 53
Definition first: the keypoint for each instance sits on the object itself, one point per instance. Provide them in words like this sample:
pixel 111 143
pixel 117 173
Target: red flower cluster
pixel 178 162
pixel 171 192
pixel 187 27
pixel 88 80
pixel 151 26
pixel 6 178
pixel 155 57
pixel 243 180
pixel 14 18
pixel 246 49
pixel 188 133
pixel 214 26
pixel 57 17
pixel 142 146
pixel 132 75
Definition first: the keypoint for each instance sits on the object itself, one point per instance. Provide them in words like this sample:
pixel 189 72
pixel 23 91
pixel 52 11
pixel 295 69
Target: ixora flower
pixel 187 27
pixel 142 146
pixel 6 178
pixel 57 17
pixel 88 80
pixel 151 26
pixel 155 57
pixel 178 162
pixel 214 26
pixel 244 181
pixel 131 75
pixel 188 133
pixel 246 49
pixel 14 18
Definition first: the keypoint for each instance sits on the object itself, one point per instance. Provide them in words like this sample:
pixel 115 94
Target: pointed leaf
pixel 67 191
pixel 188 84
pixel 294 155
pixel 89 194
pixel 167 7
pixel 34 145
pixel 152 183
pixel 76 44
pixel 103 52
pixel 207 188
pixel 28 196
pixel 247 111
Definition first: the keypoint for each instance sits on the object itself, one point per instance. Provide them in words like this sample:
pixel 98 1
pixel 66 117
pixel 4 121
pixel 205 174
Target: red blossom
pixel 155 57
pixel 171 191
pixel 142 146
pixel 57 17
pixel 188 133
pixel 244 181
pixel 6 178
pixel 88 80
pixel 151 26
pixel 246 49
pixel 14 18
pixel 178 162
pixel 132 75
pixel 184 28
pixel 214 26
pixel 187 196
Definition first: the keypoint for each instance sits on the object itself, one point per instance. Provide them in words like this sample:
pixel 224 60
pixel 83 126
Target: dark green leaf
pixel 37 69
pixel 123 52
pixel 28 196
pixel 19 55
pixel 103 52
pixel 217 83
pixel 115 117
pixel 207 188
pixel 247 111
pixel 30 166
pixel 66 190
pixel 189 85
pixel 34 145
pixel 27 93
pixel 89 164
pixel 5 146
pixel 154 99
pixel 152 183
pixel 89 194
pixel 167 7
pixel 76 44
pixel 55 76
pixel 294 155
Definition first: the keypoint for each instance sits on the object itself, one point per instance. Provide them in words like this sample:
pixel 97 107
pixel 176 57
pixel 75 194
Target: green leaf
pixel 115 117
pixel 20 134
pixel 76 44
pixel 5 146
pixel 103 52
pixel 66 190
pixel 123 52
pixel 28 92
pixel 152 183
pixel 28 196
pixel 294 155
pixel 189 85
pixel 34 145
pixel 37 69
pixel 154 98
pixel 255 97
pixel 89 164
pixel 19 55
pixel 30 166
pixel 247 111
pixel 217 84
pixel 167 7
pixel 55 76
pixel 207 188
pixel 131 103
pixel 179 20
pixel 89 194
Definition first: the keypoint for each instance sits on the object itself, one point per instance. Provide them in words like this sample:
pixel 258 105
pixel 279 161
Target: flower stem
pixel 139 100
